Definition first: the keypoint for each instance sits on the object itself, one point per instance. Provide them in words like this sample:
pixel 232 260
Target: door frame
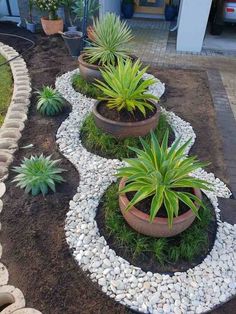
pixel 150 10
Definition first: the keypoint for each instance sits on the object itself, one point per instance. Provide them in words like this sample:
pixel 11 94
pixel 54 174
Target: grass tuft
pixel 6 88
pixel 185 247
pixel 85 88
pixel 105 145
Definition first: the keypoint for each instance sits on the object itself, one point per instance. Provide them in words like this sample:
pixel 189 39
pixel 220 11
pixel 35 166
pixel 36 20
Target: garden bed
pixel 42 265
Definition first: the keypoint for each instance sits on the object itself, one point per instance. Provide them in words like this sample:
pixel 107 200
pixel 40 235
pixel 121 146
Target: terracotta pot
pixel 126 129
pixel 139 221
pixel 89 72
pixel 90 32
pixel 51 27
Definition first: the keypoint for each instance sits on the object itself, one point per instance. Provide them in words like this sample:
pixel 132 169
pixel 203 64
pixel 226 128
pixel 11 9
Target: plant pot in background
pixel 51 27
pixel 126 129
pixel 127 10
pixel 72 28
pixel 31 27
pixel 73 41
pixel 170 12
pixel 159 228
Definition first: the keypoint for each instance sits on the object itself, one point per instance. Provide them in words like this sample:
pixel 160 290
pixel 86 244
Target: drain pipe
pixel 20 54
pixel 85 18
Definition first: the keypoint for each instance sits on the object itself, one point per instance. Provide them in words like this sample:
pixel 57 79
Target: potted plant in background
pixel 51 24
pixel 30 25
pixel 126 109
pixel 158 196
pixel 111 37
pixel 127 8
pixel 78 11
pixel 68 5
pixel 170 11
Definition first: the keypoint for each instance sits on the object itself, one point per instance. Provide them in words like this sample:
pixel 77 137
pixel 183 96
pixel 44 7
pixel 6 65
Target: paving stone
pixel 26 311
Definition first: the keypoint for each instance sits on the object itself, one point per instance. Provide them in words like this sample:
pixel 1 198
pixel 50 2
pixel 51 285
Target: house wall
pixel 109 6
pixel 24 11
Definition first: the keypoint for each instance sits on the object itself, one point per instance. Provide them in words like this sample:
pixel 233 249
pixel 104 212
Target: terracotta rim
pixel 160 220
pixel 131 124
pixel 95 66
pixel 88 65
pixel 45 18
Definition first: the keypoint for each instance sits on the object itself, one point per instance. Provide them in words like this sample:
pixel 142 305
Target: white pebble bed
pixel 197 290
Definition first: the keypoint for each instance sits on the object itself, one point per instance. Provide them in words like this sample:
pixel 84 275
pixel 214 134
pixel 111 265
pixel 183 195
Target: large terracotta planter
pixel 126 129
pixel 51 27
pixel 139 221
pixel 89 72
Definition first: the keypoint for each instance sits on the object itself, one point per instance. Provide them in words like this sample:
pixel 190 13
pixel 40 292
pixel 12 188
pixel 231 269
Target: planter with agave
pixel 158 196
pixel 126 109
pixel 51 24
pixel 109 41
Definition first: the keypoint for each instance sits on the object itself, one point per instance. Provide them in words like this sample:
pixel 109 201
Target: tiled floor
pixel 152 45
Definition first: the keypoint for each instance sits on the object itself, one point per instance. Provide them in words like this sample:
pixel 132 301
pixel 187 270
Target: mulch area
pixel 34 247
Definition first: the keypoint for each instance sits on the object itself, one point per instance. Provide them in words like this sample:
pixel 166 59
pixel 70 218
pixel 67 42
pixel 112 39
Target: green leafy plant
pixel 110 39
pixel 78 9
pixel 124 88
pixel 163 173
pixel 38 174
pixel 50 102
pixel 50 6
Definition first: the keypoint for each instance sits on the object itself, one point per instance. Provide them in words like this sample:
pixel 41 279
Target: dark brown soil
pixel 124 115
pixel 188 95
pixel 34 247
pixel 147 261
pixel 145 205
pixel 33 238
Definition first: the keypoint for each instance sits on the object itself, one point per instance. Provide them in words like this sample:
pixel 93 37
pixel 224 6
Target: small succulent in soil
pixel 110 39
pixel 38 174
pixel 50 102
pixel 163 174
pixel 124 88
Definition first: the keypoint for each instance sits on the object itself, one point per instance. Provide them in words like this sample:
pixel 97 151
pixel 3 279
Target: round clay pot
pixel 126 129
pixel 89 72
pixel 51 27
pixel 159 228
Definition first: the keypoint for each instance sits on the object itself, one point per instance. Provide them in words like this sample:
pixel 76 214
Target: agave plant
pixel 124 88
pixel 38 174
pixel 110 39
pixel 163 174
pixel 50 102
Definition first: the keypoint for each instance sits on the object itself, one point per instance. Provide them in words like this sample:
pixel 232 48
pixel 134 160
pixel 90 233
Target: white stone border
pixel 10 133
pixel 197 290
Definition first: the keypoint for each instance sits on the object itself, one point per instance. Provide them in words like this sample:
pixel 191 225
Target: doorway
pixel 151 6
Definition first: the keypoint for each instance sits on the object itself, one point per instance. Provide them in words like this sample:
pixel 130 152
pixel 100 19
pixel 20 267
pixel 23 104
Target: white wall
pixel 109 6
pixel 192 24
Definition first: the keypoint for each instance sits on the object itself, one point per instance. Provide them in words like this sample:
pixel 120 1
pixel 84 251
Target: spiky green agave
pixel 38 174
pixel 50 102
pixel 160 172
pixel 124 88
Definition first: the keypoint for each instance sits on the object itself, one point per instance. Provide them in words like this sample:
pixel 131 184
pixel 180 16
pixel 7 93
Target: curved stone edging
pixel 10 133
pixel 197 290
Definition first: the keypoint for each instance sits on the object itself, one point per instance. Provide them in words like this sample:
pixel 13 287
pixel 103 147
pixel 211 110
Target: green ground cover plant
pixel 85 88
pixel 105 145
pixel 6 88
pixel 186 246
